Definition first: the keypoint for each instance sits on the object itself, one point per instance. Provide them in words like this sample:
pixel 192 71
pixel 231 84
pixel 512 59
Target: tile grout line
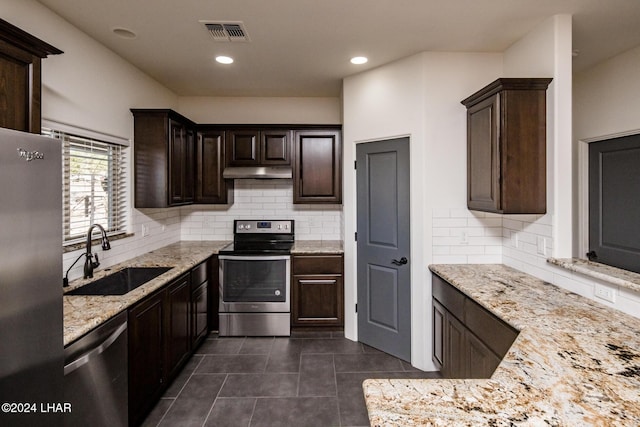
pixel 180 391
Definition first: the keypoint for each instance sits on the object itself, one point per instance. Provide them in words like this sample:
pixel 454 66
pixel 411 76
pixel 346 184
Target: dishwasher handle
pixel 86 357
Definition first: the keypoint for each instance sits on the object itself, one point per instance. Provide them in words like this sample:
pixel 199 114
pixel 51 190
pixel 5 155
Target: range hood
pixel 257 172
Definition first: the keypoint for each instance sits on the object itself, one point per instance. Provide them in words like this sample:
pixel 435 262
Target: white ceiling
pixel 302 47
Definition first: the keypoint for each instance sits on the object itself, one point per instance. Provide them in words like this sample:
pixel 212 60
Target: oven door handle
pixel 254 257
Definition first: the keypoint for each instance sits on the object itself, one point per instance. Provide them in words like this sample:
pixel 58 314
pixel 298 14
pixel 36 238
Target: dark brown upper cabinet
pixel 20 78
pixel 210 152
pixel 253 147
pixel 317 171
pixel 506 147
pixel 164 158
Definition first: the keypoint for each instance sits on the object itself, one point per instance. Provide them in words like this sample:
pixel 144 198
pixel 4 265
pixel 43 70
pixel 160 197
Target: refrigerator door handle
pixel 86 357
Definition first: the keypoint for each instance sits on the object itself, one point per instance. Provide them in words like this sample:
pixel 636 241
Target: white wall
pixel 90 87
pixel 546 52
pixel 606 102
pixel 417 97
pixel 240 110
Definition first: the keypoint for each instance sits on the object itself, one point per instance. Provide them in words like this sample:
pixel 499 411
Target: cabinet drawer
pixel 496 334
pixel 199 274
pixel 448 296
pixel 317 264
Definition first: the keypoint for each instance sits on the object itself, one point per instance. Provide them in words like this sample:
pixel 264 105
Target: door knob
pixel 401 261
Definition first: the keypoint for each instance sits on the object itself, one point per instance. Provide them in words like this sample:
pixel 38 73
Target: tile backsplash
pixel 261 199
pixel 461 236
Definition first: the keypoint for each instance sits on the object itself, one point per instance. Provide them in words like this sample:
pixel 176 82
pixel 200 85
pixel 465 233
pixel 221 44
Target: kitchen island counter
pixel 82 313
pixel 575 362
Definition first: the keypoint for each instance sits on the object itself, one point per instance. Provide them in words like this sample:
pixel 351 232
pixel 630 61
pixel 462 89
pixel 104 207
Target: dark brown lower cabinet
pixel 147 343
pixel 178 324
pixel 468 341
pixel 199 303
pixel 317 291
pixel 164 329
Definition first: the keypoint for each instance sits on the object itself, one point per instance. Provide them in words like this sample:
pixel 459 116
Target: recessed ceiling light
pixel 224 59
pixel 124 33
pixel 359 60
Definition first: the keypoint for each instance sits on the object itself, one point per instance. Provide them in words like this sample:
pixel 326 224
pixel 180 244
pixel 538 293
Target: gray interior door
pixel 383 266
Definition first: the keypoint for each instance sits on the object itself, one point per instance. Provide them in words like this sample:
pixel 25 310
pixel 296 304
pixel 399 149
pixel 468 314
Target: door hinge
pixel 355 164
pixel 355 236
pixel 356 308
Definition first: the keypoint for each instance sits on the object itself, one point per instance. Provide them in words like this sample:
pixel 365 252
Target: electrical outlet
pixel 145 230
pixel 464 238
pixel 542 246
pixel 515 241
pixel 606 293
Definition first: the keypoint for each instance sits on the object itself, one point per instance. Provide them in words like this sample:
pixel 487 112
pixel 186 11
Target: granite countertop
pixel 607 273
pixel 574 363
pixel 317 247
pixel 82 313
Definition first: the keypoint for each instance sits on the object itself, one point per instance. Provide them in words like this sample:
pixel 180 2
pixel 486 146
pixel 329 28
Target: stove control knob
pixel 277 292
pixel 240 226
pixel 248 226
pixel 279 226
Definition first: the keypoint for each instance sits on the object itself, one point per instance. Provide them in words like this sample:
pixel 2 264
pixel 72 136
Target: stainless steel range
pixel 255 279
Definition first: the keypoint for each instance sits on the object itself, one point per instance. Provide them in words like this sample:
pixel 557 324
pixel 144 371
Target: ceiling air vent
pixel 227 31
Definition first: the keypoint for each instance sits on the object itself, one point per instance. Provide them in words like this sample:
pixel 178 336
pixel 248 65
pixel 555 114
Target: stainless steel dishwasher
pixel 95 376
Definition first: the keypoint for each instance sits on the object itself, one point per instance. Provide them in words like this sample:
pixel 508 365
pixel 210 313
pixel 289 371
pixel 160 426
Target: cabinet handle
pixel 318 282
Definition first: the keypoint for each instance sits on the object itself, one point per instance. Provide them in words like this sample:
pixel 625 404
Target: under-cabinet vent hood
pixel 258 172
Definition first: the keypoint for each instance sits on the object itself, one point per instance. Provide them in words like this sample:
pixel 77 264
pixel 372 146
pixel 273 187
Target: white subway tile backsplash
pixel 255 199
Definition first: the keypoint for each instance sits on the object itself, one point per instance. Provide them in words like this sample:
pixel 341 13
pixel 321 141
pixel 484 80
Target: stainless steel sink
pixel 120 282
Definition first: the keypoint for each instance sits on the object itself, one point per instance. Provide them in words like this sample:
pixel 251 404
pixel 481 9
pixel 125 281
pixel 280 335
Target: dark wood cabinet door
pixel 181 164
pixel 317 171
pixel 200 313
pixel 178 324
pixel 15 80
pixel 210 186
pixel 481 361
pixel 317 301
pixel 455 363
pixel 317 294
pixel 439 314
pixel 176 162
pixel 164 158
pixel 189 162
pixel 243 147
pixel 506 146
pixel 275 147
pixel 483 166
pixel 146 349
pixel 21 57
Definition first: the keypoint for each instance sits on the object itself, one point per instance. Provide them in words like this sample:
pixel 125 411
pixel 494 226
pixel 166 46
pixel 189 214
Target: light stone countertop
pixel 607 273
pixel 574 363
pixel 82 313
pixel 317 247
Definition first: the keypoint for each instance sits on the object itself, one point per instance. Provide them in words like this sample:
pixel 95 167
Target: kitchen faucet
pixel 89 264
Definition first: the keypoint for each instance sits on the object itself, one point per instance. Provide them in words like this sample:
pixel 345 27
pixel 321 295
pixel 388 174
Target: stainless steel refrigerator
pixel 31 343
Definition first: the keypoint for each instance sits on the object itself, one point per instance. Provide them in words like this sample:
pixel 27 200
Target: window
pixel 94 184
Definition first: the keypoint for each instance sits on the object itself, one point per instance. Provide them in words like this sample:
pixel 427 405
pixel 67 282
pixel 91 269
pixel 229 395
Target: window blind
pixel 94 185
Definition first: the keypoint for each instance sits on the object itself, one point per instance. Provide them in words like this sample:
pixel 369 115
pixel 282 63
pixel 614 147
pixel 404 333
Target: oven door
pixel 254 283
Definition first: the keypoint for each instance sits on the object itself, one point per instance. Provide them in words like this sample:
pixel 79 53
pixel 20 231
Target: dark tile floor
pixel 313 379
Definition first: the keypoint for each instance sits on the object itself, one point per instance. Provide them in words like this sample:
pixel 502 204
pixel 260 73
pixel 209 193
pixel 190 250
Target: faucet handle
pixel 96 263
